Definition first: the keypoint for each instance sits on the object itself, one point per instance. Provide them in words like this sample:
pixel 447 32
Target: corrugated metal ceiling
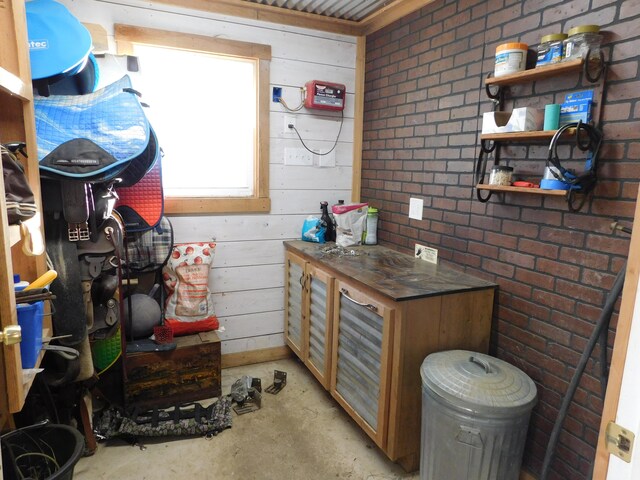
pixel 354 10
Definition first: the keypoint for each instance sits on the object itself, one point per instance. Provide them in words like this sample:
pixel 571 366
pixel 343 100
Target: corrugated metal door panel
pixel 358 364
pixel 318 324
pixel 294 304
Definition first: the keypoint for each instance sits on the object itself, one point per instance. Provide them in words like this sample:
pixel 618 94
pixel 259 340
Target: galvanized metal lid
pixel 478 382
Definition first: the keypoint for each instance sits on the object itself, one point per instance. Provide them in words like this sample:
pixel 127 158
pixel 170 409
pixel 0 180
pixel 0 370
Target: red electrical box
pixel 324 95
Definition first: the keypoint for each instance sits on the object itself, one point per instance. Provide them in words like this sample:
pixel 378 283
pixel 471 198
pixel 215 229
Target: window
pixel 212 126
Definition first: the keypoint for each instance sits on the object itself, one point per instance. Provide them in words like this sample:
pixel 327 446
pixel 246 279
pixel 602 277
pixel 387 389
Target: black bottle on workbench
pixel 330 234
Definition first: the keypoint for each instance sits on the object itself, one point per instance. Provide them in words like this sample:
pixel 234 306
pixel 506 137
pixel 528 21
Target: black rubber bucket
pixel 41 452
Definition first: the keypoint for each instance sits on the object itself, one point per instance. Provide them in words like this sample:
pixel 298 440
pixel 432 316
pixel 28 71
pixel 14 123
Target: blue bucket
pixel 30 321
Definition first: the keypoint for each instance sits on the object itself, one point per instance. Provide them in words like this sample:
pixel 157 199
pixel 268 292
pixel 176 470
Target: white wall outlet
pixel 415 208
pixel 289 120
pixel 328 160
pixel 425 253
pixel 298 156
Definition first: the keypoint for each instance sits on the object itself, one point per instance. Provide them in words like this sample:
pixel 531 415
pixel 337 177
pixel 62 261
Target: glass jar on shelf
pixel 583 39
pixel 500 175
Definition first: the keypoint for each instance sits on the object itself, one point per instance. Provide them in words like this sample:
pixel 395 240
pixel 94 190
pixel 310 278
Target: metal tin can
pixel 551 49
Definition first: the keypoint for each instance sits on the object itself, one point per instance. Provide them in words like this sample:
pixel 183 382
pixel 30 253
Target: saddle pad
pixel 150 250
pixel 141 205
pixel 137 169
pixel 81 136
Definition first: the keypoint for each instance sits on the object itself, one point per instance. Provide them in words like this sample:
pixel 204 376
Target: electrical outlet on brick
pixel 425 253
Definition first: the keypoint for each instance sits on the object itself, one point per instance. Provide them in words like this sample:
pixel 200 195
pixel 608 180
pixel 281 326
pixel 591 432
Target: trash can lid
pixel 478 382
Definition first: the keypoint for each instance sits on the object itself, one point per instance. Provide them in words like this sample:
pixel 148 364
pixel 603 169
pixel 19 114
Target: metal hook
pixel 485 148
pixel 601 67
pixel 498 97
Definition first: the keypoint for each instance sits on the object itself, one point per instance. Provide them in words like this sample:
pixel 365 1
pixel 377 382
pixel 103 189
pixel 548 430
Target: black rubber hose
pixel 604 369
pixel 603 320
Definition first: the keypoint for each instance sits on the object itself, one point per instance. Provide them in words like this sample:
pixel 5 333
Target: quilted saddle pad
pixel 92 136
pixel 141 205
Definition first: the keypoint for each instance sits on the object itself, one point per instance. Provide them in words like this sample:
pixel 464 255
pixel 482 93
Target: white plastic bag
pixel 350 223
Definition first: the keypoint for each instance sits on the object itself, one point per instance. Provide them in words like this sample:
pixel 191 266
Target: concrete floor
pixel 301 433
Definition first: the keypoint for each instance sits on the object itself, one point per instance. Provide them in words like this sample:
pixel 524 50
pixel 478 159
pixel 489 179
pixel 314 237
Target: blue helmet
pixel 58 43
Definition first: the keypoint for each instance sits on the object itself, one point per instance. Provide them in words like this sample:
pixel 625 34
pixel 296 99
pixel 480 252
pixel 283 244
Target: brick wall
pixel 424 96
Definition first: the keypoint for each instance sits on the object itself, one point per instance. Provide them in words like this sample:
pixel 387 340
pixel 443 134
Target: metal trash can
pixel 475 416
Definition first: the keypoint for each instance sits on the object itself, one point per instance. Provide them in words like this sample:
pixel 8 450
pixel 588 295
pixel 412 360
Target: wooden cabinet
pixel 389 312
pixel 16 124
pixel 308 315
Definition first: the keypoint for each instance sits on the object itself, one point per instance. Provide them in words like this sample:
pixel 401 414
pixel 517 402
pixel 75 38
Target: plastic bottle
pixel 330 234
pixel 19 284
pixel 551 49
pixel 371 233
pixel 510 58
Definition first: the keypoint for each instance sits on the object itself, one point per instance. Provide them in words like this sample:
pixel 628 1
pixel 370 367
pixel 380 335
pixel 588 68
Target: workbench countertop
pixel 394 274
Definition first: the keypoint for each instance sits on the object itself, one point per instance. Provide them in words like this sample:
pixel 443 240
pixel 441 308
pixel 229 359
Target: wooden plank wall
pixel 247 280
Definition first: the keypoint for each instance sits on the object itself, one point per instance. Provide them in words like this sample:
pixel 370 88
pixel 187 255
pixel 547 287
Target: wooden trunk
pixel 189 373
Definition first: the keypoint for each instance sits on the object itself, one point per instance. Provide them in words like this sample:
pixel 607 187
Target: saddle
pixel 90 140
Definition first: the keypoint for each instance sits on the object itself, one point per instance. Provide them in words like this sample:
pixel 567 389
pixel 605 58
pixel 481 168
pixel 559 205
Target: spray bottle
pixel 330 234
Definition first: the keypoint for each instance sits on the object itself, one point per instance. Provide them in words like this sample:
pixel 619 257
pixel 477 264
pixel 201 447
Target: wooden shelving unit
pixel 14 234
pixel 593 70
pixel 13 85
pixel 537 135
pixel 17 123
pixel 538 73
pixel 533 191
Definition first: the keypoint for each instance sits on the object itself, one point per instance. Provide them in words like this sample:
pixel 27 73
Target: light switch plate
pixel 328 160
pixel 415 208
pixel 298 156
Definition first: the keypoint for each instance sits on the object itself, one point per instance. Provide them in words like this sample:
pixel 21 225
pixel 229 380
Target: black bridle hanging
pixel 588 139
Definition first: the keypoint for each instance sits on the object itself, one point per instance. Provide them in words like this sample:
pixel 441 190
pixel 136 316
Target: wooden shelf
pixel 14 234
pixel 537 73
pixel 27 385
pixel 17 120
pixel 525 136
pixel 13 85
pixel 534 191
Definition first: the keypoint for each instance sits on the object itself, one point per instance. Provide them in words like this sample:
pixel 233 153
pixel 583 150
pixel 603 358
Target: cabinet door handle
pixel 304 281
pixel 371 307
pixel 11 335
